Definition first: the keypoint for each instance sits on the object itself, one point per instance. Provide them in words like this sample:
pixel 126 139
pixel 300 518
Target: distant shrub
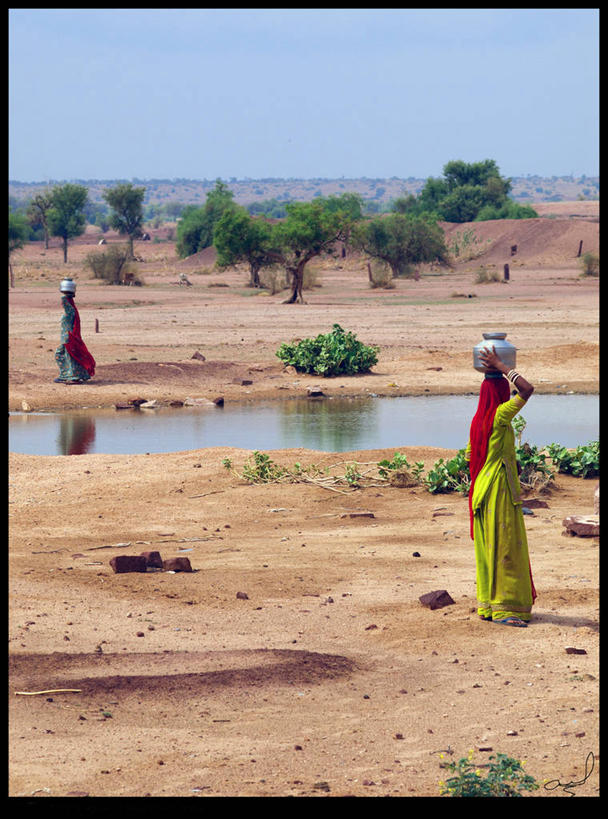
pixel 484 276
pixel 590 263
pixel 112 265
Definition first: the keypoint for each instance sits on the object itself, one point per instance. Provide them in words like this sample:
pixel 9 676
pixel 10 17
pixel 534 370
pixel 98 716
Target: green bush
pixel 504 777
pixel 335 353
pixel 582 462
pixel 590 263
pixel 112 265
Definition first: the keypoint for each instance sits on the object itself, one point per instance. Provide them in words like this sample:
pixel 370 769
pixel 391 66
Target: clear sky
pixel 303 93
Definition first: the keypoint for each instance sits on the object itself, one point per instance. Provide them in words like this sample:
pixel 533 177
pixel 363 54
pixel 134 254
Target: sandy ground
pixel 296 659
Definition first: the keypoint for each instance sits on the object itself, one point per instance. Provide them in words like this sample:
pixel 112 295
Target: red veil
pixel 494 391
pixel 76 346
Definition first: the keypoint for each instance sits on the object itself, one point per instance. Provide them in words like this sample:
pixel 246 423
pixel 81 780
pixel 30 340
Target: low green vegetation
pixel 335 353
pixel 504 776
pixel 444 476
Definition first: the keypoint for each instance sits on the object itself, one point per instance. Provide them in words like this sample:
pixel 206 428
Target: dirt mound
pixel 537 241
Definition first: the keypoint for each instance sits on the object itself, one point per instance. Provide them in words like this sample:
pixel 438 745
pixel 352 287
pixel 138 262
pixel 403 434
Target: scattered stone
pixel 176 403
pixel 512 734
pixel 197 402
pixel 371 627
pixel 358 515
pixel 573 650
pixel 415 554
pixel 153 560
pixel 242 596
pixel 153 404
pixel 25 406
pixel 199 356
pixel 485 748
pixel 527 511
pixel 123 406
pixel 436 599
pixel 128 563
pixel 242 382
pixel 315 392
pixel 137 402
pixel 442 514
pixel 219 401
pixel 322 786
pixel 582 525
pixel 177 564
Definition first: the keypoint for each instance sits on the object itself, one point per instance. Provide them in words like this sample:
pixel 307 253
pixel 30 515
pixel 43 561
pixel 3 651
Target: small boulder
pixel 582 525
pixel 128 563
pixel 177 564
pixel 436 599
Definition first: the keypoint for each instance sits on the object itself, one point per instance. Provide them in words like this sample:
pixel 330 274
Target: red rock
pixel 177 564
pixel 582 525
pixel 153 560
pixel 436 599
pixel 128 563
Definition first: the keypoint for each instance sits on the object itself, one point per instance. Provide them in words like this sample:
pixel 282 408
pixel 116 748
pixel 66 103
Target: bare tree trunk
pixel 10 272
pixel 297 274
pixel 65 249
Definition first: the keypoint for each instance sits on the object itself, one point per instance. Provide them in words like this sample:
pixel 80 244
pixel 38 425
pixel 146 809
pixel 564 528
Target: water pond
pixel 330 425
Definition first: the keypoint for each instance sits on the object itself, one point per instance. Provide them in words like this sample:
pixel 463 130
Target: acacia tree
pixel 66 218
pixel 240 238
pixel 401 241
pixel 128 215
pixel 37 213
pixel 310 229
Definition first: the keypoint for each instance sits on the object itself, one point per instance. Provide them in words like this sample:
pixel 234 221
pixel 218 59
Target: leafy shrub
pixel 335 353
pixel 449 476
pixel 582 462
pixel 590 264
pixel 504 777
pixel 113 265
pixel 533 466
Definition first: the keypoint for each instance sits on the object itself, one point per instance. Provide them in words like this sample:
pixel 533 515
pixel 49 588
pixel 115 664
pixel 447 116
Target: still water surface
pixel 330 425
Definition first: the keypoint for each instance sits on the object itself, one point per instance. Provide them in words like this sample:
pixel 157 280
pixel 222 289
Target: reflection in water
pixel 76 434
pixel 329 425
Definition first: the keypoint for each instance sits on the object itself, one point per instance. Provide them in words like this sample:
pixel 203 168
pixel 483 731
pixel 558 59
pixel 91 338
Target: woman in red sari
pixel 75 362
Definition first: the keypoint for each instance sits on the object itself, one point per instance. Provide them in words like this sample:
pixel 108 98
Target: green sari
pixel 504 581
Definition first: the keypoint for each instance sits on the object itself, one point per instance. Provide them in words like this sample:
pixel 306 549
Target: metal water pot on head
pixel 504 350
pixel 68 287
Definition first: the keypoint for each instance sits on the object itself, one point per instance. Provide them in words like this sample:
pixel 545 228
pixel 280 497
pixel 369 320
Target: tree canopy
pixel 468 191
pixel 66 217
pixel 127 210
pixel 195 230
pixel 401 240
pixel 238 237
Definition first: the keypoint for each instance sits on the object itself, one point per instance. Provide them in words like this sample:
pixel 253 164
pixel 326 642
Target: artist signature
pixel 557 783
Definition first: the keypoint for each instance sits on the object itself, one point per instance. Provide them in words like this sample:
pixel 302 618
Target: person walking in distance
pixel 75 362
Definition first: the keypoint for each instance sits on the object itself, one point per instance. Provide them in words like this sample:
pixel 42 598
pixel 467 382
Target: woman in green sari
pixel 505 589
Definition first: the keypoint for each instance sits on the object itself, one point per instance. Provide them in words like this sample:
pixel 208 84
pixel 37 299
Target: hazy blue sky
pixel 207 93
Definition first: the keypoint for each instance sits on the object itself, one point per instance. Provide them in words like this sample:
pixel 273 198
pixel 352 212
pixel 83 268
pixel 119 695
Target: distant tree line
pixel 285 233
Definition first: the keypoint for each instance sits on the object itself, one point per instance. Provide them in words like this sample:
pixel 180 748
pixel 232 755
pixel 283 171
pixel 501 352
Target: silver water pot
pixel 504 350
pixel 67 286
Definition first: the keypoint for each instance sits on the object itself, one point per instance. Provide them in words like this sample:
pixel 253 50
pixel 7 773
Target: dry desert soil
pixel 296 659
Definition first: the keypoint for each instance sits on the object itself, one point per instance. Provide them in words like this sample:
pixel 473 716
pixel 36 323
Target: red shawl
pixel 494 391
pixel 76 346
